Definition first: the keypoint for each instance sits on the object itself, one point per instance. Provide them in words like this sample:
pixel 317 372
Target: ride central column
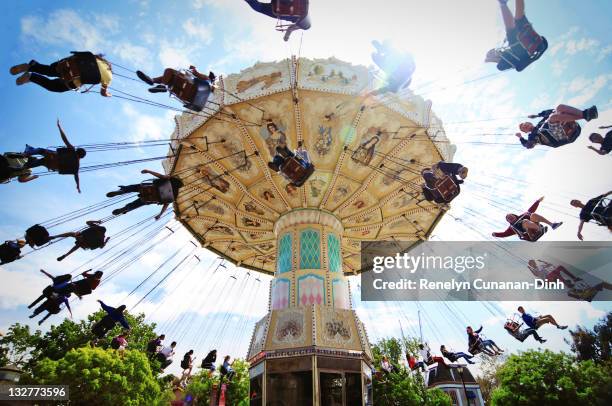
pixel 311 347
pixel 309 261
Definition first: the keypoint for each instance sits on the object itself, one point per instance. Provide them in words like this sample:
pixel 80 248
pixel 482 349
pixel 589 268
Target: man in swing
pixel 605 143
pixel 514 329
pixel 81 68
pixel 276 8
pixel 113 315
pixel 556 128
pixel 433 175
pixel 14 165
pixel 163 190
pixel 525 46
pixel 537 322
pixel 177 83
pixel 528 225
pixel 93 237
pixel 63 160
pixel 597 207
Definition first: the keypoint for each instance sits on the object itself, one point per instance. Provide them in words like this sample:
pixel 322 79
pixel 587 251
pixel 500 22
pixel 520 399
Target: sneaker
pixel 158 89
pixel 273 166
pixel 144 77
pixel 557 225
pixel 562 327
pixel 112 194
pixel 23 79
pixel 542 340
pixel 591 113
pixel 117 212
pixel 17 69
pixel 471 362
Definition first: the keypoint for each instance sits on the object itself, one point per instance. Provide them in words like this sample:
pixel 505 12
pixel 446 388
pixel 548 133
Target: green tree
pixel 102 377
pixel 547 378
pixel 200 386
pixel 26 348
pixel 488 375
pixel 595 344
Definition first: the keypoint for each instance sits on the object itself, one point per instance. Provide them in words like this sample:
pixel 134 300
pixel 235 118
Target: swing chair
pixel 296 170
pixel 193 92
pixel 37 236
pixel 602 212
pixel 81 66
pixel 149 193
pixel 287 10
pixel 528 42
pixel 524 235
pixel 445 189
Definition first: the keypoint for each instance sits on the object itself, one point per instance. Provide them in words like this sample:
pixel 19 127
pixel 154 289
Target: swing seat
pixel 524 235
pixel 193 92
pixel 297 171
pixel 148 193
pixel 290 8
pixel 82 66
pixel 445 190
pixel 602 213
pixel 532 42
pixel 37 235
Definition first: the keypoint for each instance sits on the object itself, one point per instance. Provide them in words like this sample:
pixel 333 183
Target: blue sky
pixel 448 40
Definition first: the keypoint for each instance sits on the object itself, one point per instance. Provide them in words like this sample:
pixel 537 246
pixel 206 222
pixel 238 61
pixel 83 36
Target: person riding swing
pixel 60 285
pixel 52 306
pixel 37 236
pixel 11 251
pixel 63 160
pixel 91 238
pixel 528 225
pixel 294 166
pixel 556 128
pixel 81 68
pixel 191 87
pixel 524 45
pixel 113 315
pixel 599 209
pixel 605 143
pixel 442 181
pixel 13 165
pixel 477 345
pixel 162 190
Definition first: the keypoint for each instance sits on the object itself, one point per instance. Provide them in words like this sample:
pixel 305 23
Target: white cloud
pixel 603 53
pixel 586 89
pixel 202 32
pixel 63 27
pixel 147 127
pixel 584 44
pixel 136 55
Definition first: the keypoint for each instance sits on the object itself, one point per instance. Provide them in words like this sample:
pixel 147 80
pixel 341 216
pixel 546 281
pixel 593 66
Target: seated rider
pixel 93 237
pixel 454 356
pixel 527 226
pixel 546 271
pixel 87 284
pixel 604 142
pixel 282 157
pixel 81 68
pixel 557 127
pixel 476 344
pixel 524 47
pixel 597 209
pixel 226 368
pixel 60 285
pixel 537 322
pixel 176 82
pixel 276 8
pixel 113 315
pixel 13 165
pixel 64 160
pixel 52 306
pixel 436 173
pixel 209 361
pixel 514 329
pixel 37 236
pixel 398 67
pixel 11 251
pixel 163 190
pixel 164 356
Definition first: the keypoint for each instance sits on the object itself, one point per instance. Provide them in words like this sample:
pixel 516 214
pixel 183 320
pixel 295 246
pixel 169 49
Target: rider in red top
pixel 527 223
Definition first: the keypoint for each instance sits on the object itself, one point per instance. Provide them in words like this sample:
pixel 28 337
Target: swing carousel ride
pixel 367 151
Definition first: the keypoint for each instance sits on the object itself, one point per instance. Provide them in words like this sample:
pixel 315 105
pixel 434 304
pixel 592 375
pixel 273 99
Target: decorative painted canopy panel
pixel 368 152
